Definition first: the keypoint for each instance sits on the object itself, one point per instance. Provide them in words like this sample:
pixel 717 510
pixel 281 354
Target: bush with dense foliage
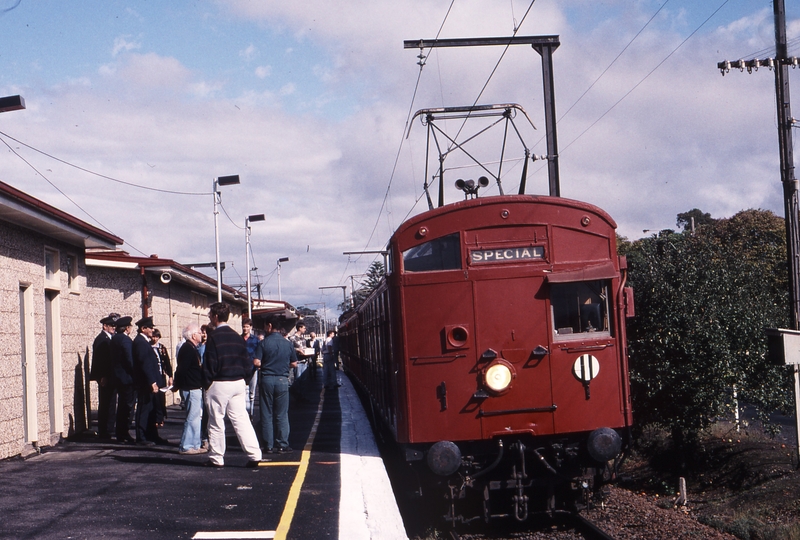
pixel 703 300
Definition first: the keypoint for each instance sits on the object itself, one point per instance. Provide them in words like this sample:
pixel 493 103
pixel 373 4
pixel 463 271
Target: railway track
pixel 589 530
pixel 565 526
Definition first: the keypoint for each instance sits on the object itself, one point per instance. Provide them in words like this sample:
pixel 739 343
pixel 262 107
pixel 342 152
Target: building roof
pixel 29 212
pixel 167 269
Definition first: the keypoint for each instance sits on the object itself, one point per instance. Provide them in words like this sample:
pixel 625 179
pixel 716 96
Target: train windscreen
pixel 442 253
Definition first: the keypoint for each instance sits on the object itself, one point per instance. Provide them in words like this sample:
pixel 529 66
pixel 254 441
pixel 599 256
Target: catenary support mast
pixel 544 45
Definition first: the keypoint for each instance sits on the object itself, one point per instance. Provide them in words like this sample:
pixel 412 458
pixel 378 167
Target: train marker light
pixel 586 368
pixel 498 377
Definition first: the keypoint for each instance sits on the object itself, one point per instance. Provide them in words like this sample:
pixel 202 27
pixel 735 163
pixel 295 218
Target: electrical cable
pixel 491 75
pixel 629 92
pixel 229 217
pixel 29 164
pixel 88 171
pixel 402 140
pixel 612 62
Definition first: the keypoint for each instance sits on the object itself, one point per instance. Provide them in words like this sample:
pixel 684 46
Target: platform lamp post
pixel 247 221
pixel 281 260
pixel 11 103
pixel 220 181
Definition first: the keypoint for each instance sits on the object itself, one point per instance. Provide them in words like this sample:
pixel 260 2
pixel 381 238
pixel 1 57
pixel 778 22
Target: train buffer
pixel 332 485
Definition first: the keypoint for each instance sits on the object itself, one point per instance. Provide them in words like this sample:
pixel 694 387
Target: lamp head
pixel 228 180
pixel 11 103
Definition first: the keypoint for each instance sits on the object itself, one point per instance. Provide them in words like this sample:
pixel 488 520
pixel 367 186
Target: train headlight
pixel 498 377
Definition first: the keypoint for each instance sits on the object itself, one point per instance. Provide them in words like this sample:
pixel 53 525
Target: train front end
pixel 509 352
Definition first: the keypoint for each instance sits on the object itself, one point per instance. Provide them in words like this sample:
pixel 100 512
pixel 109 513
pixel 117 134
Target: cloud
pixel 262 72
pixel 121 44
pixel 323 151
pixel 249 53
pixel 153 72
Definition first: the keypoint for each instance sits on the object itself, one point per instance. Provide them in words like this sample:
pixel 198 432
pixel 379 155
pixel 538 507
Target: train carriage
pixel 495 352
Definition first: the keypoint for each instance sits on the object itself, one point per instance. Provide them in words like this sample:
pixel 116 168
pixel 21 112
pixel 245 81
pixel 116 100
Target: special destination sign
pixel 479 256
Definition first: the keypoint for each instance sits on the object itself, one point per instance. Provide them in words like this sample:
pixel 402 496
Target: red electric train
pixel 494 350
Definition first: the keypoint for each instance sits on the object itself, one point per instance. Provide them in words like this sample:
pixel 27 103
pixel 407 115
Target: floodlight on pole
pixel 11 103
pixel 247 221
pixel 220 181
pixel 281 260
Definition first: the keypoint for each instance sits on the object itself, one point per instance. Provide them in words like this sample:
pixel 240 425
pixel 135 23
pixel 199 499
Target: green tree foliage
pixel 702 303
pixel 311 319
pixel 373 278
pixel 700 218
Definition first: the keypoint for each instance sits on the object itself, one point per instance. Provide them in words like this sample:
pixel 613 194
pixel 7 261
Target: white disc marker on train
pixel 586 367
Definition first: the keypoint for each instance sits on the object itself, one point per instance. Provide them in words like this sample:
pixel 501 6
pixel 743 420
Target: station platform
pixel 333 485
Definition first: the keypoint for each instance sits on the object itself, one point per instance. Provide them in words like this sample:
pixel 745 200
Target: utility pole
pixel 373 252
pixel 780 64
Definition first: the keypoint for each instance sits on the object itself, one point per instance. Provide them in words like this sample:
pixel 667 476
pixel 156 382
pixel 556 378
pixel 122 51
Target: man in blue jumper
pixel 275 355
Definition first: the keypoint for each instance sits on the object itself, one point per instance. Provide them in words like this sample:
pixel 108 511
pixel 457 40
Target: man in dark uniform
pixel 103 374
pixel 122 363
pixel 146 377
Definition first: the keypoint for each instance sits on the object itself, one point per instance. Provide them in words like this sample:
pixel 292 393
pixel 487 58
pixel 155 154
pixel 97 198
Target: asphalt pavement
pixel 333 485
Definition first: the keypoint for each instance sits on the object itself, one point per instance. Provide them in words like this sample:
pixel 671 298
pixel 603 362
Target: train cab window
pixel 438 254
pixel 579 308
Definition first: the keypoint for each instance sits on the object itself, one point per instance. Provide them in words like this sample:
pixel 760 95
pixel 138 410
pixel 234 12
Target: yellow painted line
pixel 294 492
pixel 234 535
pixel 278 463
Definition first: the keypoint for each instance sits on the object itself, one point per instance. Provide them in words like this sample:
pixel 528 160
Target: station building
pixel 58 277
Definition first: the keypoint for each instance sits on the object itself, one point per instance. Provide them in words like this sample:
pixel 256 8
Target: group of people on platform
pixel 218 373
pixel 129 375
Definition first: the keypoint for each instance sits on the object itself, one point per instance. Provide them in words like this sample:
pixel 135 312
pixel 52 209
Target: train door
pixel 438 370
pixel 511 323
pixel 584 354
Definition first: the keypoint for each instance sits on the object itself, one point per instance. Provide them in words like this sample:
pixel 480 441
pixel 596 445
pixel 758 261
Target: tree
pixel 702 303
pixel 310 318
pixel 694 218
pixel 373 279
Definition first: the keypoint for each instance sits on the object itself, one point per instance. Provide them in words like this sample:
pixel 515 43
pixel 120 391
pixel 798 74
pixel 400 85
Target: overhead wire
pixel 112 179
pixel 410 109
pixel 614 61
pixel 402 140
pixel 37 171
pixel 629 92
pixel 229 217
pixel 494 70
pixel 254 267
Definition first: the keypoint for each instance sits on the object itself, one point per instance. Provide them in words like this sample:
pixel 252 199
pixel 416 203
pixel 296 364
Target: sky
pixel 135 107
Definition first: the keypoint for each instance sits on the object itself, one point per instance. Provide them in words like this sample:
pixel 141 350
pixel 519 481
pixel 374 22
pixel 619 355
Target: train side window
pixel 438 254
pixel 579 308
